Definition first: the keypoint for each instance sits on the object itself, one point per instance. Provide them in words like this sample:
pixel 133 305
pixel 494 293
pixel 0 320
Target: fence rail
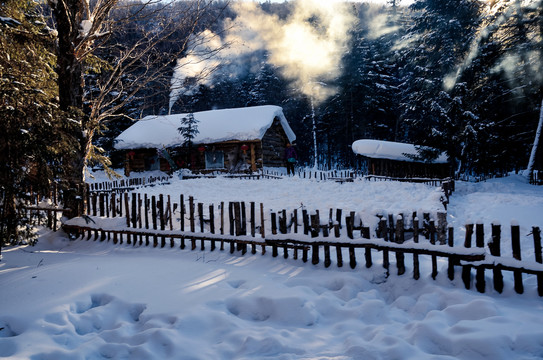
pixel 142 219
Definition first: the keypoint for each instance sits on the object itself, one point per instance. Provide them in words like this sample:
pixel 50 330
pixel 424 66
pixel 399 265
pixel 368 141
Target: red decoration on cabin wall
pixel 244 148
pixel 202 149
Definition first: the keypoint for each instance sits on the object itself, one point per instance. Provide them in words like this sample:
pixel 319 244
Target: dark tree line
pixel 463 76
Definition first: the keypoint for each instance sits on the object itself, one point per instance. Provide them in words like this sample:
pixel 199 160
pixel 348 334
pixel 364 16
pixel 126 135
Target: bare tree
pixel 88 28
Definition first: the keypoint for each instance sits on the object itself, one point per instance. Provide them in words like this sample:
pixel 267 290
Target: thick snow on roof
pixel 249 123
pixel 379 149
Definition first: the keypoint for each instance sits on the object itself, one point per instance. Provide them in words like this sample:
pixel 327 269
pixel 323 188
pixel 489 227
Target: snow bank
pixel 91 300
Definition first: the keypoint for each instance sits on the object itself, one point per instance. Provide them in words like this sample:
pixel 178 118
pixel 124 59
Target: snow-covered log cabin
pixel 230 140
pixel 398 160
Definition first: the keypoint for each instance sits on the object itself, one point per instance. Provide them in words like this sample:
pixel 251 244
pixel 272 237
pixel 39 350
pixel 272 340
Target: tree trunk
pixel 531 163
pixel 68 15
pixel 10 219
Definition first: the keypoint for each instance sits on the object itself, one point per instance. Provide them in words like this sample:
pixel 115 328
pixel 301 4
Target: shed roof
pixel 379 149
pixel 243 124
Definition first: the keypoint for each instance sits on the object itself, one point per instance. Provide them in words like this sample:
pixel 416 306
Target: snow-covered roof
pixel 379 149
pixel 250 123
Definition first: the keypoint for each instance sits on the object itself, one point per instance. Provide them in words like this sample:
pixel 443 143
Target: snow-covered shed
pixel 393 159
pixel 233 140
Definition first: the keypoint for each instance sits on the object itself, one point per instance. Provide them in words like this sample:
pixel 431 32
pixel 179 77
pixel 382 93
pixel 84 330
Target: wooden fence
pixel 158 220
pixel 124 185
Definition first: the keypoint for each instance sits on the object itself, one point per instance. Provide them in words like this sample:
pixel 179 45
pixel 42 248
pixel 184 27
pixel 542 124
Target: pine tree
pixel 432 112
pixel 33 140
pixel 188 130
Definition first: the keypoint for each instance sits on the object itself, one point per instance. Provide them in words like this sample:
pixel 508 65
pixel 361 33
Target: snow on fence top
pixel 250 123
pixel 379 149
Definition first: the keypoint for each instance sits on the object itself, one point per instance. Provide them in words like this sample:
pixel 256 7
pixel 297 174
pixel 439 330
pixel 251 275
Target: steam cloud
pixel 307 47
pixel 506 63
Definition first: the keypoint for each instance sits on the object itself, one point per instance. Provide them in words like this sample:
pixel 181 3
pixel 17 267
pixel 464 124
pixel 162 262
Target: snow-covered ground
pixel 79 299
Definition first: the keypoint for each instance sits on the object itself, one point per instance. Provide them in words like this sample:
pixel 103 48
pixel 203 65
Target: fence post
pixel 452 258
pixel 338 216
pixel 283 222
pixel 243 221
pixel 146 213
pixel 538 257
pixel 139 220
pixel 367 251
pixel 400 257
pixel 101 205
pixel 494 247
pixel 327 260
pixel 231 222
pixel 283 225
pixel 212 224
pixel 466 269
pixel 480 283
pixel 202 223
pixel 416 267
pixel 352 257
pixel 515 243
pixel 161 217
pixel 305 219
pixel 153 218
pixel 253 220
pixel 182 211
pixel 262 228
pixel 127 211
pixel 315 225
pixel 442 227
pixel 391 228
pixel 191 214
pixel 339 253
pixel 134 217
pixel 384 234
pixel 433 242
pixel 237 220
pixel 170 213
pixel 295 221
pixel 231 219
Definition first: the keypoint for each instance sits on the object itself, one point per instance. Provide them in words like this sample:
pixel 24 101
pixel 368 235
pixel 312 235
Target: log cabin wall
pixel 238 156
pixel 406 169
pixel 142 160
pixel 273 145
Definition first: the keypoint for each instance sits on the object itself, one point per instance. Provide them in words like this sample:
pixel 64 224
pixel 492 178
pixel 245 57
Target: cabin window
pixel 151 163
pixel 214 160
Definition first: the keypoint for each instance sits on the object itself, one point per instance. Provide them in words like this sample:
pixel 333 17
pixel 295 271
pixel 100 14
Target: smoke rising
pixel 307 47
pixel 507 64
